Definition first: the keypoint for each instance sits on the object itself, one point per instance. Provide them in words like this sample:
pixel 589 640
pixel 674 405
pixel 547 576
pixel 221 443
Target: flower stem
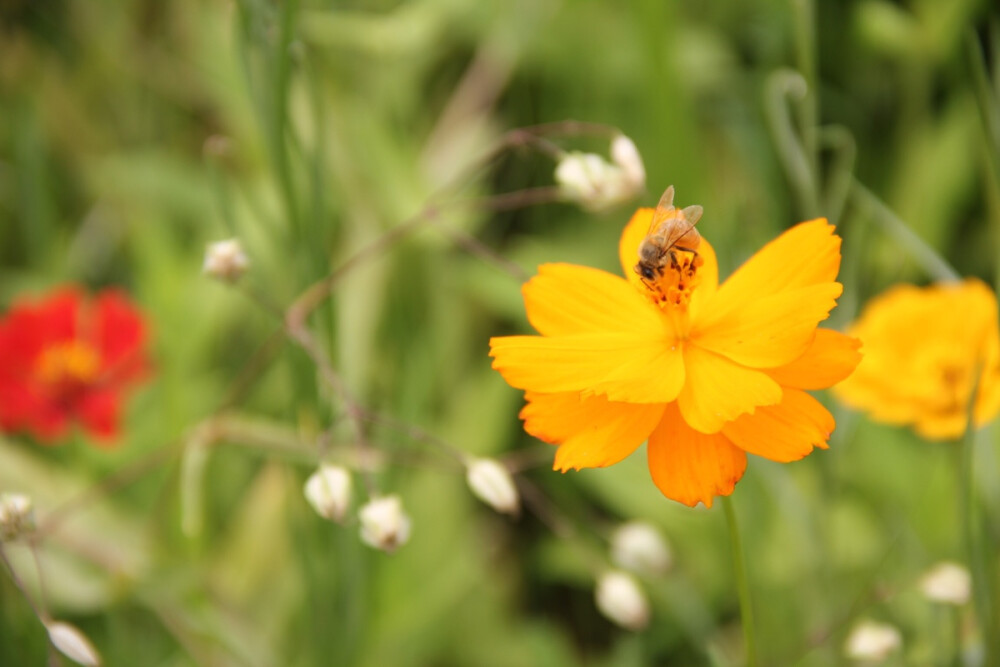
pixel 956 636
pixel 982 584
pixel 742 583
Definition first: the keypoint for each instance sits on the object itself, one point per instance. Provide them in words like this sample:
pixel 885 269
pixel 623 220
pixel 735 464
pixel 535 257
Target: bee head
pixel 645 271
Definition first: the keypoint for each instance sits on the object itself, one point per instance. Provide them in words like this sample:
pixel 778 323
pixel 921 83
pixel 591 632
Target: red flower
pixel 65 358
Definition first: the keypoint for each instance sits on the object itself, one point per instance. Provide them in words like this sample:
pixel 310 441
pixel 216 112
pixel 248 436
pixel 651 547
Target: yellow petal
pixel 922 348
pixel 942 427
pixel 784 432
pixel 592 432
pixel 691 467
pixel 564 299
pixel 769 331
pixel 806 254
pixel 830 357
pixel 717 390
pixel 628 253
pixel 644 366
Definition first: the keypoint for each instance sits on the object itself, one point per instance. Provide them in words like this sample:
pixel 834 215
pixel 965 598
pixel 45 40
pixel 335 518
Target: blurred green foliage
pixel 132 133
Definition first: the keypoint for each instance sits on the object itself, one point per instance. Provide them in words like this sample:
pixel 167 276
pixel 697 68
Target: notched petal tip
pixel 691 467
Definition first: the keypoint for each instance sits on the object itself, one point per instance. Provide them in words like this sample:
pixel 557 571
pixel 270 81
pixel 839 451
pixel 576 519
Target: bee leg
pixel 674 264
pixel 690 250
pixel 696 260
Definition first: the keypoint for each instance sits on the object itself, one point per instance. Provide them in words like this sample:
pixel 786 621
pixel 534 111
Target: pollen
pixel 676 284
pixel 72 362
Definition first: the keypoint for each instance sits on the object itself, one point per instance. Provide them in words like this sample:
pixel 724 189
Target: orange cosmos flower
pixel 65 359
pixel 706 373
pixel 922 349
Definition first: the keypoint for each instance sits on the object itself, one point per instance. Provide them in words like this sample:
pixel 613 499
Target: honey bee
pixel 670 230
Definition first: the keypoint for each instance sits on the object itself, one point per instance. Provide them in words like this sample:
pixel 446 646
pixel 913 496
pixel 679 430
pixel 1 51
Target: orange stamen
pixel 674 287
pixel 68 363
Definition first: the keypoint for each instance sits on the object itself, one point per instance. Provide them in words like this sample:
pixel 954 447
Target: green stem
pixel 782 87
pixel 928 258
pixel 808 104
pixel 982 584
pixel 956 636
pixel 742 583
pixel 989 120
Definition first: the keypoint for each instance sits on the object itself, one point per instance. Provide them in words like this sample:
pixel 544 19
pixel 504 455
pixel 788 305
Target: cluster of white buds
pixel 225 260
pixel 595 183
pixel 17 516
pixel 639 547
pixel 947 583
pixel 492 483
pixel 328 490
pixel 621 600
pixel 871 641
pixel 384 525
pixel 73 644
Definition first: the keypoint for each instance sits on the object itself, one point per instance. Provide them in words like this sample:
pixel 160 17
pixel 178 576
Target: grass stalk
pixel 807 105
pixel 972 535
pixel 932 262
pixel 742 582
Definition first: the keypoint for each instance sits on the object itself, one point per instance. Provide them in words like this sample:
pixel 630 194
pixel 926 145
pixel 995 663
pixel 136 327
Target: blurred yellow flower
pixel 922 348
pixel 705 372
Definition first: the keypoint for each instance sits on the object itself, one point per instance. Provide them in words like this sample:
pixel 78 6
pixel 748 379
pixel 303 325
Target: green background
pixel 134 132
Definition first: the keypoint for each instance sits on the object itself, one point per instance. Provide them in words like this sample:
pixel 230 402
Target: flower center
pixel 672 288
pixel 67 365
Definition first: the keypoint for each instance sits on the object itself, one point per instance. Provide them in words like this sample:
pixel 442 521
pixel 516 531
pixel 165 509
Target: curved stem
pixel 742 583
pixel 782 86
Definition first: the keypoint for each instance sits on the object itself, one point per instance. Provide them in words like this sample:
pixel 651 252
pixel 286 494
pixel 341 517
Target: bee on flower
pixel 66 359
pixel 705 376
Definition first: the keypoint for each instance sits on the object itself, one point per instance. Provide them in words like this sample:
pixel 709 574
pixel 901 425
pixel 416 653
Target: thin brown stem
pixel 416 433
pixel 476 247
pixel 299 333
pixel 541 507
pixel 314 295
pixel 19 584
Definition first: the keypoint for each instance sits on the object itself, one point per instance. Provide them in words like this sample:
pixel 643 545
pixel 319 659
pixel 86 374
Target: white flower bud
pixel 626 155
pixel 384 525
pixel 638 546
pixel 328 490
pixel 492 483
pixel 17 516
pixel 621 600
pixel 73 644
pixel 593 182
pixel 871 641
pixel 581 174
pixel 947 583
pixel 225 260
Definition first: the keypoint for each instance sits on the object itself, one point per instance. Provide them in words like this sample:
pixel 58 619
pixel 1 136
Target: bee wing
pixel 664 210
pixel 691 215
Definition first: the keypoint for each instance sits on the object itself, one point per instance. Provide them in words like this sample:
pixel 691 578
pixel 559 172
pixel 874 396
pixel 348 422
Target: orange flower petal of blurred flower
pixel 705 376
pixel 922 348
pixel 65 359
